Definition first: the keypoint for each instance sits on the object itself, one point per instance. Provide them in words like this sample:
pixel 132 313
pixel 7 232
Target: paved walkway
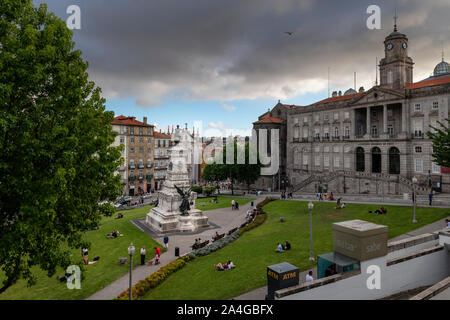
pixel 222 220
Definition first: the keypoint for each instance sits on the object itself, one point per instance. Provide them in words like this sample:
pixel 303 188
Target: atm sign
pixel 290 275
pixel 272 274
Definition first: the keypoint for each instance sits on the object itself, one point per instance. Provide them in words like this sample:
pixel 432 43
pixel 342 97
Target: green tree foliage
pixel 208 190
pixel 243 173
pixel 56 159
pixel 441 143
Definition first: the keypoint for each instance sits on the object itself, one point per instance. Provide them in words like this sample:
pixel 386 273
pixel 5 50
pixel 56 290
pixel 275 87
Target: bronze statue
pixel 185 206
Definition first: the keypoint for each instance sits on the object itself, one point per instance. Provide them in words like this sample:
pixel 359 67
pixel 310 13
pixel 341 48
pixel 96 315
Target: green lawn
pixel 97 275
pixel 255 250
pixel 224 202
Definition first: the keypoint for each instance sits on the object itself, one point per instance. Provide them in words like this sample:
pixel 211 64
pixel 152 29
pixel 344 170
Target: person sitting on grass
pixel 230 265
pixel 279 248
pixel 382 210
pixel 119 216
pixel 219 267
pixel 447 224
pixel 287 245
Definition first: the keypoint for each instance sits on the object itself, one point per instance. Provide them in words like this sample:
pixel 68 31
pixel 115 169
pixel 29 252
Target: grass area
pixel 224 202
pixel 255 250
pixel 97 275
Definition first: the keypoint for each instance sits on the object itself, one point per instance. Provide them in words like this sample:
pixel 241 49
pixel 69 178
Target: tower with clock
pixel 396 68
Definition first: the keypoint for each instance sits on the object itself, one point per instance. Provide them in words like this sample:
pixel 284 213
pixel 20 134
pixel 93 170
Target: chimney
pixel 361 89
pixel 340 93
pixel 334 94
pixel 145 120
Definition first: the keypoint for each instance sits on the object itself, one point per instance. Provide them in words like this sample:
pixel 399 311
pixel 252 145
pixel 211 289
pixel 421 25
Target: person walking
pixel 166 242
pixel 232 204
pixel 430 197
pixel 236 205
pixel 143 255
pixel 157 255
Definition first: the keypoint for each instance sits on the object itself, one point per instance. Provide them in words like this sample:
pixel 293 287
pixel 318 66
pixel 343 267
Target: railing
pixel 132 166
pixel 304 139
pixel 336 138
pixel 295 139
pixel 149 176
pixel 346 138
pixel 141 166
pixel 417 135
pixel 326 138
pixel 316 138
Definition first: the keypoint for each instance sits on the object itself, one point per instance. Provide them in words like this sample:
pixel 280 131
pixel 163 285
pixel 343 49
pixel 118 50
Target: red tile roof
pixel 428 83
pixel 339 98
pixel 266 118
pixel 129 121
pixel 159 135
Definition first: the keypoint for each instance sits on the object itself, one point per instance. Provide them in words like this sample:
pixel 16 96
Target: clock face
pixel 404 45
pixel 389 46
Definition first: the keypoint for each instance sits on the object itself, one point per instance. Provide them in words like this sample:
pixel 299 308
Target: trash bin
pixel 177 252
pixel 280 276
pixel 251 203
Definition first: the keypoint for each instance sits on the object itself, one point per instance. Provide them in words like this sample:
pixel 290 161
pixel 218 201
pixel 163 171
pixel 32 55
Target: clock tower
pixel 396 68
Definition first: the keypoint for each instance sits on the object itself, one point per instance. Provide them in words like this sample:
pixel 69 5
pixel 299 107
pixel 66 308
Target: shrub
pixel 197 189
pixel 216 245
pixel 208 190
pixel 155 279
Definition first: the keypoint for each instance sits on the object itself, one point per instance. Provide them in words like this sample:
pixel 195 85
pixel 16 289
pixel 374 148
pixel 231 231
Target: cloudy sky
pixel 224 62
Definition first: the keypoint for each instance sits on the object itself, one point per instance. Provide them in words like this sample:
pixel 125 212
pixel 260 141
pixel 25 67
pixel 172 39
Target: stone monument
pixel 175 210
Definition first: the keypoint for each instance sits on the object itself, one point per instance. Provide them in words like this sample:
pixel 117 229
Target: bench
pixel 232 230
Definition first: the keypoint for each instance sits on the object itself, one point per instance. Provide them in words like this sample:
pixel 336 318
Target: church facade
pixel 372 141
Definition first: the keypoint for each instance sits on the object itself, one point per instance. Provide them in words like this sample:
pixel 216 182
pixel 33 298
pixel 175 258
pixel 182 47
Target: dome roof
pixel 350 91
pixel 441 68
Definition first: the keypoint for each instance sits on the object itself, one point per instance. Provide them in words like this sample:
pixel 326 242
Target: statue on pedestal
pixel 185 206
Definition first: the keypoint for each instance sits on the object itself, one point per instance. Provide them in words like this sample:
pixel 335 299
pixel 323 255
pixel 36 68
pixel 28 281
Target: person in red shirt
pixel 157 255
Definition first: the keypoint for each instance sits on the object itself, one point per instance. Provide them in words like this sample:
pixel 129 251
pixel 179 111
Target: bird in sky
pixel 289 33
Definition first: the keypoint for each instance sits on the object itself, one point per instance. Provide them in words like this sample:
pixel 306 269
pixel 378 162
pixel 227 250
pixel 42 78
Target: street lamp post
pixel 311 255
pixel 414 181
pixel 131 252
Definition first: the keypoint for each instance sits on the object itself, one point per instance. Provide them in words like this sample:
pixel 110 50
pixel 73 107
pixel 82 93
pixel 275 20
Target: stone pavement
pixel 222 220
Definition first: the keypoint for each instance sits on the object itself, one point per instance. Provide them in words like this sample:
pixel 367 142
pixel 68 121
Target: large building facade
pixel 162 145
pixel 138 154
pixel 371 141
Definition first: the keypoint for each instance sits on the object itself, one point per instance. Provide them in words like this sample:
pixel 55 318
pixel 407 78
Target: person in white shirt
pixel 309 277
pixel 232 204
pixel 447 224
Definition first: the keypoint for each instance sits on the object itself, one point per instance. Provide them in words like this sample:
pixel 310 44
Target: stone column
pixel 385 119
pixel 353 127
pixel 368 122
pixel 404 128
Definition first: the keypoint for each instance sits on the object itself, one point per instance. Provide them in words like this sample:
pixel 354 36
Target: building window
pixel 435 105
pixel 141 140
pixel 305 119
pixel 418 128
pixel 346 115
pixel 435 168
pixel 317 160
pixel 347 132
pixel 149 150
pixel 418 165
pixel 149 140
pixel 336 149
pixel 360 162
pixel 141 131
pixel 305 159
pixel 141 149
pixel 326 133
pixel 131 150
pixel 389 77
pixel 132 139
pixel 336 132
pixel 326 161
pixel 156 143
pixel 325 117
pixel 295 120
pixel 122 140
pixel 131 130
pixel 336 116
pixel 389 113
pixel 390 129
pixel 316 118
pixel 417 107
pixel 418 149
pixel 336 162
pixel 326 149
pixel 347 162
pixel 305 132
pixel 374 131
pixel 317 149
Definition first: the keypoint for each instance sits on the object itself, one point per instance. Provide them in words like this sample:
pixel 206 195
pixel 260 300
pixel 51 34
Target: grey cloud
pixel 226 50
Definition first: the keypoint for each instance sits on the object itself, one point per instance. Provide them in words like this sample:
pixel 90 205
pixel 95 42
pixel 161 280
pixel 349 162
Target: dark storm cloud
pixel 225 50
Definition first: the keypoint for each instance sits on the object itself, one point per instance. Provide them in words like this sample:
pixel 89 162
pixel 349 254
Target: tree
pixel 441 143
pixel 244 173
pixel 56 161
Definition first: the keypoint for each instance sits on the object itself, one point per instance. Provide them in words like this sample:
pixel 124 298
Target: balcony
pixel 326 138
pixel 149 176
pixel 316 138
pixel 161 167
pixel 336 138
pixel 346 138
pixel 141 166
pixel 141 178
pixel 149 165
pixel 131 178
pixel 417 135
pixel 305 139
pixel 295 139
pixel 161 156
pixel 132 167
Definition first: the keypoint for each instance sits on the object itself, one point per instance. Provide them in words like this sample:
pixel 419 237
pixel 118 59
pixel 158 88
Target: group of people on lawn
pixel 226 266
pixel 283 247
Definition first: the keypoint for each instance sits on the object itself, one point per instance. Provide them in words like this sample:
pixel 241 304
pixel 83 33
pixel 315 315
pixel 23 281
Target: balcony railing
pixel 326 138
pixel 346 138
pixel 295 139
pixel 132 167
pixel 149 176
pixel 336 138
pixel 417 135
pixel 316 138
pixel 149 165
pixel 141 166
pixel 305 139
pixel 131 178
